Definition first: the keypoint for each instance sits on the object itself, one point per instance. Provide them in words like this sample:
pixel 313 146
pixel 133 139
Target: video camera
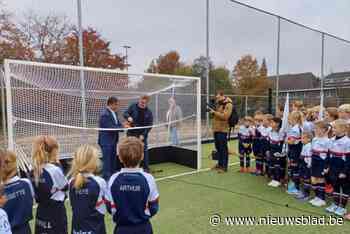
pixel 211 105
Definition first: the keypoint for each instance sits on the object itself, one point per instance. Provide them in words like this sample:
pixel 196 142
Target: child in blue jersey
pixel 87 193
pixel 305 167
pixel 245 140
pixel 277 164
pixel 19 194
pixel 320 150
pixel 50 186
pixel 258 118
pixel 295 146
pixel 132 193
pixel 339 150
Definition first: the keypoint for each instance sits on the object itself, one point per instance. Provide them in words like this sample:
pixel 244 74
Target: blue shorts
pixel 145 228
pixel 318 166
pixel 294 152
pixel 304 171
pixel 51 218
pixel 244 150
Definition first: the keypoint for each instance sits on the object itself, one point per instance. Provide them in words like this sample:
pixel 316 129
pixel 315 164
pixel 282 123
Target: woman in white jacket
pixel 174 114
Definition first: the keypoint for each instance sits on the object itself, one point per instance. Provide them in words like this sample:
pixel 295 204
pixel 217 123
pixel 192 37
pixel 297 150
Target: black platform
pixel 182 156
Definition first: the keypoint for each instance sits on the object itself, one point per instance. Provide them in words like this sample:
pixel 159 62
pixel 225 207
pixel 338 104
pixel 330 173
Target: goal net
pixel 66 101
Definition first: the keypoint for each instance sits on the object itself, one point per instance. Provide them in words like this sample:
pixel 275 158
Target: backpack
pixel 233 119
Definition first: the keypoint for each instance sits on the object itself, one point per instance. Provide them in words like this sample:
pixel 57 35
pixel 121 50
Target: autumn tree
pixel 220 80
pixel 46 35
pixel 97 52
pixel 13 44
pixel 263 69
pixel 166 64
pixel 249 79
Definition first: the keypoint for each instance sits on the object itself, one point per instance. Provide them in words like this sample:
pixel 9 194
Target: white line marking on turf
pixel 193 172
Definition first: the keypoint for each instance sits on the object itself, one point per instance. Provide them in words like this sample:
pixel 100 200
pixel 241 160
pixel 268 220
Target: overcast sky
pixel 154 27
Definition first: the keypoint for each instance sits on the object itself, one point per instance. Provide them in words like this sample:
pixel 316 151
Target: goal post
pixel 47 99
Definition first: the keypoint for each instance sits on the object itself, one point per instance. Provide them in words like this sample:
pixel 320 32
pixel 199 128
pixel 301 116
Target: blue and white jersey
pixel 5 227
pixel 276 137
pixel 245 133
pixel 88 205
pixel 306 154
pixel 265 131
pixel 132 196
pixel 339 147
pixel 256 132
pixel 320 147
pixel 308 126
pixel 52 184
pixel 20 195
pixel 294 134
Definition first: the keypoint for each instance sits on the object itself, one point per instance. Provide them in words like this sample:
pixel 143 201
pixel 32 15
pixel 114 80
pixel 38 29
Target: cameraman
pixel 220 126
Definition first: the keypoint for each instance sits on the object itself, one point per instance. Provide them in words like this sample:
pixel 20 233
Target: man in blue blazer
pixel 108 140
pixel 139 115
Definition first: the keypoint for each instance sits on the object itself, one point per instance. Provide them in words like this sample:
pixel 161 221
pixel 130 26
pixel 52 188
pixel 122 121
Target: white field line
pixel 193 172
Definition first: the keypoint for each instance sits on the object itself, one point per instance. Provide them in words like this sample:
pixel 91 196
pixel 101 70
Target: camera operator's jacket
pixel 221 116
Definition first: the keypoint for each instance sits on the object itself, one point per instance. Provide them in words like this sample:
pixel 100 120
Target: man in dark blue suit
pixel 108 140
pixel 139 115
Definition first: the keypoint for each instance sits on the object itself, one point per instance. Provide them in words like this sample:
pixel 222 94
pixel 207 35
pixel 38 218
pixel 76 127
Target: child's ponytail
pixel 45 150
pixel 85 161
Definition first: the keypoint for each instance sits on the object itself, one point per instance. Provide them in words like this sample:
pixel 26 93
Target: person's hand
pixel 130 120
pixel 142 137
pixel 325 171
pixel 126 125
pixel 342 176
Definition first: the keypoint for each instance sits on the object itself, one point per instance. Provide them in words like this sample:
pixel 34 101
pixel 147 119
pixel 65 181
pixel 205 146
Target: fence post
pixel 278 59
pixel 269 108
pixel 322 78
pixel 246 105
pixel 157 119
pixel 3 106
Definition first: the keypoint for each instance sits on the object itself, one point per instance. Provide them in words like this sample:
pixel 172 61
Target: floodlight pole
pixel 126 62
pixel 10 122
pixel 81 63
pixel 322 78
pixel 207 64
pixel 3 106
pixel 278 61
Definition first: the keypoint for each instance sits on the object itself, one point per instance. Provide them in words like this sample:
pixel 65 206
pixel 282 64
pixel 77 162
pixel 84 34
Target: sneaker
pixel 328 188
pixel 271 183
pixel 299 195
pixel 313 200
pixel 248 170
pixel 215 167
pixel 276 184
pixel 292 190
pixel 221 170
pixel 291 187
pixel 319 203
pixel 340 211
pixel 303 198
pixel 332 208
